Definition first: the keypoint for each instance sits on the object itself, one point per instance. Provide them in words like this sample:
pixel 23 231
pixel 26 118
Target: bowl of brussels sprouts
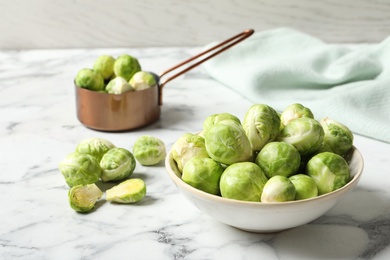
pixel 269 172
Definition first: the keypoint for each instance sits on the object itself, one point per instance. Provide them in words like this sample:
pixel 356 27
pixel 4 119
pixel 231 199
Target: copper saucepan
pixel 135 109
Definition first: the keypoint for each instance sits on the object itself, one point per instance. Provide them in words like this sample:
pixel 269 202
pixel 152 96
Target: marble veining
pixel 38 127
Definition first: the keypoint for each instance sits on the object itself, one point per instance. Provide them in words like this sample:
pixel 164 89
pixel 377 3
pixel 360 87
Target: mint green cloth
pixel 283 66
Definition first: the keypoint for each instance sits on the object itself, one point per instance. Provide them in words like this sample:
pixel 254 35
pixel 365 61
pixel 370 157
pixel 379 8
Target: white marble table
pixel 38 127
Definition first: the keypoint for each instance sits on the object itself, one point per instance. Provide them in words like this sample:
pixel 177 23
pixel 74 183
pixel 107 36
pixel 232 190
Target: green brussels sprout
pixel 337 139
pixel 305 186
pixel 82 198
pixel 278 158
pixel 126 66
pixel 142 80
pixel 306 134
pixel 216 118
pixel 295 111
pixel 104 64
pixel 278 189
pixel 330 171
pixel 129 191
pixel 261 124
pixel 118 85
pixel 117 164
pixel 186 147
pixel 89 79
pixel 94 146
pixel 203 174
pixel 149 150
pixel 227 143
pixel 79 169
pixel 243 181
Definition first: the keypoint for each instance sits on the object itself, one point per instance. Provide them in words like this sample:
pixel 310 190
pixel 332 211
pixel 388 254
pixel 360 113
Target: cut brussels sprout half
pixel 82 198
pixel 129 191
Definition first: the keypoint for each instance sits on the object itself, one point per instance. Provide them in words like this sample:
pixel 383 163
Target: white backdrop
pixel 134 23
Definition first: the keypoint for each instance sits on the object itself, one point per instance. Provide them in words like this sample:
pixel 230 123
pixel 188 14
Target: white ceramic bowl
pixel 265 217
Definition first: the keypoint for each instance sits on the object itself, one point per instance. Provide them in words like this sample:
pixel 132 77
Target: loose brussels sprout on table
pixel 261 124
pixel 82 198
pixel 203 174
pixel 117 164
pixel 94 146
pixel 129 191
pixel 149 150
pixel 186 147
pixel 80 169
pixel 243 181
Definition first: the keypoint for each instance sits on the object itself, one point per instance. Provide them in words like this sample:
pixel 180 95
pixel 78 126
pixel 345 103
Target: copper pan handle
pixel 217 49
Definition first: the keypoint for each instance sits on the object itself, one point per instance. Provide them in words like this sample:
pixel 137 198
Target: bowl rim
pixel 170 163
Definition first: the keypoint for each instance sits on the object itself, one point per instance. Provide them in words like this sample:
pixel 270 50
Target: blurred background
pixel 133 23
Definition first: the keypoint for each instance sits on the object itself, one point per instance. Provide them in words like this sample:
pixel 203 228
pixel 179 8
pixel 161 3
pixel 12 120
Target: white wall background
pixel 134 23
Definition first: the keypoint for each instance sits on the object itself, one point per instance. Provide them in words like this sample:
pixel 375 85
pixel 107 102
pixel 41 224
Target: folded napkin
pixel 284 66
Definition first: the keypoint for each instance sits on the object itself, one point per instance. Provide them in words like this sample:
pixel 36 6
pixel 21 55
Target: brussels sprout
pixel 94 146
pixel 261 124
pixel 80 169
pixel 89 79
pixel 216 118
pixel 126 66
pixel 227 143
pixel 242 181
pixel 149 150
pixel 295 111
pixel 186 147
pixel 203 174
pixel 129 191
pixel 305 186
pixel 142 80
pixel 337 139
pixel 104 64
pixel 306 134
pixel 278 158
pixel 118 85
pixel 278 189
pixel 329 170
pixel 82 198
pixel 117 164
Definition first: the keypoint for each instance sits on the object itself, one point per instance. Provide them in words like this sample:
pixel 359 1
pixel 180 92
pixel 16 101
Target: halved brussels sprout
pixel 330 171
pixel 278 189
pixel 186 147
pixel 126 66
pixel 261 124
pixel 104 64
pixel 117 164
pixel 227 143
pixel 82 198
pixel 89 79
pixel 243 181
pixel 203 174
pixel 305 186
pixel 80 169
pixel 142 80
pixel 149 150
pixel 305 133
pixel 337 139
pixel 278 158
pixel 118 86
pixel 129 191
pixel 295 111
pixel 94 146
